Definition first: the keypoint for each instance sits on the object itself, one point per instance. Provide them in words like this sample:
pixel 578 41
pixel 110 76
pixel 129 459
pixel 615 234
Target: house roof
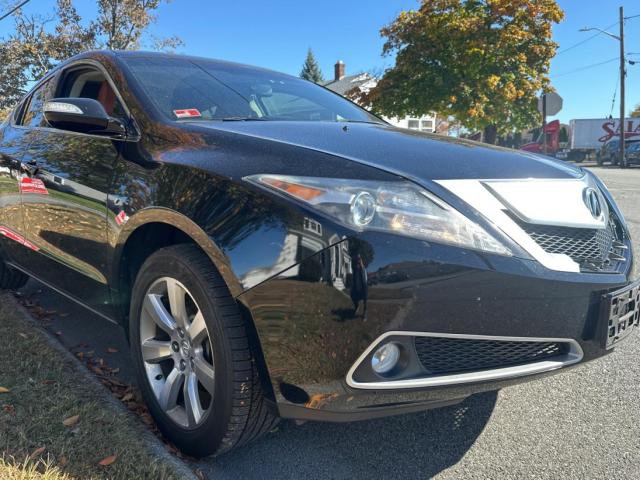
pixel 348 83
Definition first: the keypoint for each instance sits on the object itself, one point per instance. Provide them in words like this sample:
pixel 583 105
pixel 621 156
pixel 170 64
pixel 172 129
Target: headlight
pixel 396 207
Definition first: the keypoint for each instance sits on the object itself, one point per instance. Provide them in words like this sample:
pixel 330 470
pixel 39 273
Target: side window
pixel 91 83
pixel 32 115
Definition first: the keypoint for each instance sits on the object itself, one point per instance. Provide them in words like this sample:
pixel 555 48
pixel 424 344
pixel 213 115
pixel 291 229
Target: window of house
pixel 427 125
pixel 414 124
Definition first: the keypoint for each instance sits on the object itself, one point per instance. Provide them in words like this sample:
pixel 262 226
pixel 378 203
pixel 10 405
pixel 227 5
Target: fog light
pixel 363 209
pixel 385 358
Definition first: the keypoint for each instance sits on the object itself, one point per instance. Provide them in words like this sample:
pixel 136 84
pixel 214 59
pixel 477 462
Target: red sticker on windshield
pixel 187 113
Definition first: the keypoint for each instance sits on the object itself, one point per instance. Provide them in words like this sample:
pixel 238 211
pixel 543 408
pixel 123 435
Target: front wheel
pixel 192 353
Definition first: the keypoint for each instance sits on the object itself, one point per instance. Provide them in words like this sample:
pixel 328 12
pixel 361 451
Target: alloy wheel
pixel 177 353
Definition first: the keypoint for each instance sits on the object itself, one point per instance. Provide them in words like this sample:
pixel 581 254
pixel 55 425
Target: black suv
pixel 273 250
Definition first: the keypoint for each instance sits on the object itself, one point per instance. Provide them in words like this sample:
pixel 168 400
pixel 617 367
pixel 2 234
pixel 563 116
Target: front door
pixel 64 199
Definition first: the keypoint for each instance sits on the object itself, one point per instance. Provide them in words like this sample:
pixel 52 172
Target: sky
pixel 277 34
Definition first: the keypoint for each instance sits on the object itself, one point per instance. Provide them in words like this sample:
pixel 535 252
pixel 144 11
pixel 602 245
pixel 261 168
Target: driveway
pixel 582 424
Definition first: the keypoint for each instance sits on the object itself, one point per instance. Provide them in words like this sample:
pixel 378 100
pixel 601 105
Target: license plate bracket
pixel 620 312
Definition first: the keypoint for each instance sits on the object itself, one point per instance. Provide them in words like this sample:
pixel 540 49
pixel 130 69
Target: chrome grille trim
pixel 573 356
pixel 479 194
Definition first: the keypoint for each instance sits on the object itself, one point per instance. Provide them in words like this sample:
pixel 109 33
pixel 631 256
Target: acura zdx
pixel 275 251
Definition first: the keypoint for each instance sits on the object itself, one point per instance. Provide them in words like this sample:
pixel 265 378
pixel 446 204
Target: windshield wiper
pixel 360 121
pixel 243 119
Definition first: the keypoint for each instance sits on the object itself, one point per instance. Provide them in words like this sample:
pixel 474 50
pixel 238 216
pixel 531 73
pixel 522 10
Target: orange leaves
pixel 105 462
pixel 488 72
pixel 4 390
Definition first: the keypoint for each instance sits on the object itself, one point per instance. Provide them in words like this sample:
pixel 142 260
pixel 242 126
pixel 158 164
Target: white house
pixel 345 84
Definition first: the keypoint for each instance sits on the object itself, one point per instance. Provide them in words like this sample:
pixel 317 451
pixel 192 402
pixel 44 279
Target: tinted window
pixel 91 83
pixel 225 91
pixel 33 112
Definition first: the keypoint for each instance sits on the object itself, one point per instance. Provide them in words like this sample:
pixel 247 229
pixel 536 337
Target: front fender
pixel 124 226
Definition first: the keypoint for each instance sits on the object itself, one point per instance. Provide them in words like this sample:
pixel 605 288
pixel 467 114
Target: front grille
pixel 593 249
pixel 441 355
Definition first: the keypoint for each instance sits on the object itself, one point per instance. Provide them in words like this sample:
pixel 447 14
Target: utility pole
pixel 623 160
pixel 619 38
pixel 544 122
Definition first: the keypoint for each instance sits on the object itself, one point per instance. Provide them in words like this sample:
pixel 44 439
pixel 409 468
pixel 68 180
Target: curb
pixel 153 444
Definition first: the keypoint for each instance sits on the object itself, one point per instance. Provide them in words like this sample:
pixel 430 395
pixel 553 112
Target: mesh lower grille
pixel 589 247
pixel 452 355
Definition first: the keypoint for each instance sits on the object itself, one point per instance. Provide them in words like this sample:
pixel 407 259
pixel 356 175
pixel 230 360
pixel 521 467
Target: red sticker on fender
pixel 187 113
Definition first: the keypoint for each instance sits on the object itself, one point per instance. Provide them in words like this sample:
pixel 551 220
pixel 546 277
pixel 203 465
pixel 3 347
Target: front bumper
pixel 311 338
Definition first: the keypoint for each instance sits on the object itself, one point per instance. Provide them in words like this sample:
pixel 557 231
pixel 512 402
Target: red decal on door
pixel 10 234
pixel 16 237
pixel 187 113
pixel 33 185
pixel 30 245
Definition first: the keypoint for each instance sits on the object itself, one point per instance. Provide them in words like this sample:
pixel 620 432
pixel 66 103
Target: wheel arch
pixel 151 229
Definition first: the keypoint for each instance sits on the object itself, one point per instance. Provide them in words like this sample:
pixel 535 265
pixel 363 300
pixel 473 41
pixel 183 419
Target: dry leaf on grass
pixel 37 452
pixel 71 421
pixel 112 350
pixel 4 390
pixel 105 462
pixel 63 461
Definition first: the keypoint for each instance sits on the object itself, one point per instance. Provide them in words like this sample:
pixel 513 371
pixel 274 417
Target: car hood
pixel 405 152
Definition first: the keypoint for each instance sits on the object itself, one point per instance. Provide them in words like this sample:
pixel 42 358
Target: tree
pixel 311 70
pixel 480 61
pixel 636 112
pixel 38 41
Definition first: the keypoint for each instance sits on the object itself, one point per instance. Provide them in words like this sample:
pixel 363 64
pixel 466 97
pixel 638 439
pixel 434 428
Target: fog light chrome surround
pixel 575 355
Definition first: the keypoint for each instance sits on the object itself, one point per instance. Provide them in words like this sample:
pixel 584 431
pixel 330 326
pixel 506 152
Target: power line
pixel 586 67
pixel 12 10
pixel 581 42
pixel 613 101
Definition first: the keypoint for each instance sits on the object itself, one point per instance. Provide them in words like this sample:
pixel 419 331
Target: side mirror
pixel 83 115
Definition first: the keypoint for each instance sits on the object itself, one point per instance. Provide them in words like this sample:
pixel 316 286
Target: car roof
pixel 124 54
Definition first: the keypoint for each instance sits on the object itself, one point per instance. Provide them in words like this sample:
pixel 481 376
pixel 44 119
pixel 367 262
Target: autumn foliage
pixel 480 61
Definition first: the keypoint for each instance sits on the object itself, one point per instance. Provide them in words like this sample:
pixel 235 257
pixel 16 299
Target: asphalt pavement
pixel 580 424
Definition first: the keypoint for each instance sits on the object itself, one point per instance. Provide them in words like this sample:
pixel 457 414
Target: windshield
pixel 202 90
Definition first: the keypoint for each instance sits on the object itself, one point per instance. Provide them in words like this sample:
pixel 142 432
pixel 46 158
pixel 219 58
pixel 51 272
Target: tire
pixel 228 411
pixel 11 279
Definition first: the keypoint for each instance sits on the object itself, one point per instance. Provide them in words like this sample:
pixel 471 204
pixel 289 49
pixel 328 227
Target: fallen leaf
pixel 4 390
pixel 9 409
pixel 105 462
pixel 23 335
pixel 59 333
pixel 63 461
pixel 112 350
pixel 199 474
pixel 71 421
pixel 37 452
pixel 49 382
pixel 127 398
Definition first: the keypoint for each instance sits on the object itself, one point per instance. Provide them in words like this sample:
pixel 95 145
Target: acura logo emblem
pixel 592 201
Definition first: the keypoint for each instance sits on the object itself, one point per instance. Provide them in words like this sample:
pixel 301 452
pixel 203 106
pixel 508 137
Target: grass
pixel 42 388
